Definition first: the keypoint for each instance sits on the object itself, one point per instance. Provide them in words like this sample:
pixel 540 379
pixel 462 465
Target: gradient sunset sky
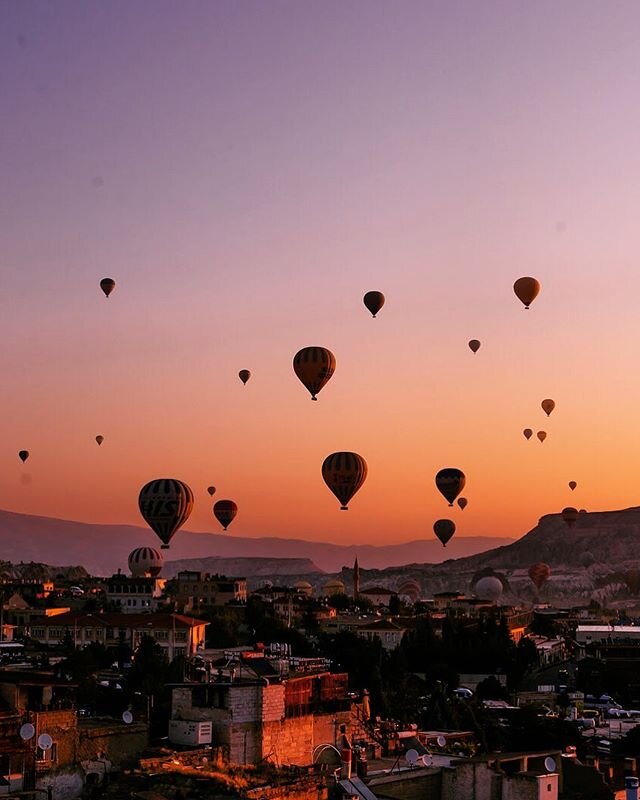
pixel 245 171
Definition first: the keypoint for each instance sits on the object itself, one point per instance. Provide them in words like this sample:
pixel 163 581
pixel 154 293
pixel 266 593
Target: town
pixel 139 686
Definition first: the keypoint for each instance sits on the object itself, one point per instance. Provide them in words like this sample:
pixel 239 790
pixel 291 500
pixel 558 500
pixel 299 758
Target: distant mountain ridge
pixel 103 549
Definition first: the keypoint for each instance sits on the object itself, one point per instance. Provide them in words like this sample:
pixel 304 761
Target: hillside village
pixel 137 685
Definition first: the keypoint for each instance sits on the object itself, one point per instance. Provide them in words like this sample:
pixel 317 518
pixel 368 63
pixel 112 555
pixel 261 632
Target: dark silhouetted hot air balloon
pixel 526 290
pixel 583 511
pixel 374 302
pixel 107 285
pixel 539 574
pixel 314 366
pixel 344 473
pixel 444 530
pixel 450 482
pixel 99 439
pixel 474 345
pixel 547 406
pixel 572 485
pixel 145 561
pixel 211 490
pixel 165 505
pixel 587 559
pixel 570 515
pixel 542 435
pixel 225 511
pixel 462 502
pixel 527 433
pixel 244 375
pixel 23 455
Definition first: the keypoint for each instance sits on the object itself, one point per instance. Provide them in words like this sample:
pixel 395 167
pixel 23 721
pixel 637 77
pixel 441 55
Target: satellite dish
pixel 550 764
pixel 45 742
pixel 426 760
pixel 127 717
pixel 441 741
pixel 27 731
pixel 412 756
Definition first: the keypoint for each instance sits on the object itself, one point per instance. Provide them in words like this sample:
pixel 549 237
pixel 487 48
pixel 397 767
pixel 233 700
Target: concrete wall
pixel 117 742
pixel 419 784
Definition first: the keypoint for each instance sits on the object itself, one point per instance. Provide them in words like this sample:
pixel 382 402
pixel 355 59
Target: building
pixel 266 718
pixel 178 635
pixel 194 590
pixel 134 595
pixel 377 596
pixel 388 632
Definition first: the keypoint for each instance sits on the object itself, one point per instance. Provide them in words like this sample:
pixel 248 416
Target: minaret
pixel 356 579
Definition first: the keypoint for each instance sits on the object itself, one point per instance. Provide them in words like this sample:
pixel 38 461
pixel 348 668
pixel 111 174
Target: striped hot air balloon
pixel 314 366
pixel 145 561
pixel 165 505
pixel 344 473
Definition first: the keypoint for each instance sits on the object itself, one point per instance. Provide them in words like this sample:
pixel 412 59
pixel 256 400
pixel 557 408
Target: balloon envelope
pixel 542 435
pixel 145 561
pixel 548 406
pixel 107 285
pixel 444 530
pixel 526 290
pixel 99 439
pixel 225 511
pixel 314 366
pixel 23 455
pixel 572 485
pixel 165 505
pixel 489 588
pixel 344 473
pixel 244 375
pixel 450 482
pixel 462 502
pixel 474 345
pixel 527 433
pixel 211 490
pixel 570 515
pixel 539 574
pixel 374 302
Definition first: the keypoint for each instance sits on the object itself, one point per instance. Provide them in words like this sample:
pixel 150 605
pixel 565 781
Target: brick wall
pixel 62 727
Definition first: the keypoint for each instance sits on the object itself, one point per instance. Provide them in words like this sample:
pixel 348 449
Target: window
pixel 162 636
pixel 37 633
pixel 180 651
pixel 181 636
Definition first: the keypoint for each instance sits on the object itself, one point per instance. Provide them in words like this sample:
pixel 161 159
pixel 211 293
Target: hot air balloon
pixel 211 490
pixel 570 515
pixel 225 511
pixel 587 559
pixel 314 366
pixel 462 502
pixel 542 435
pixel 107 285
pixel 344 473
pixel 572 485
pixel 99 439
pixel 489 588
pixel 547 406
pixel 444 530
pixel 450 482
pixel 374 302
pixel 474 345
pixel 165 505
pixel 145 561
pixel 244 375
pixel 527 433
pixel 23 455
pixel 539 574
pixel 526 290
